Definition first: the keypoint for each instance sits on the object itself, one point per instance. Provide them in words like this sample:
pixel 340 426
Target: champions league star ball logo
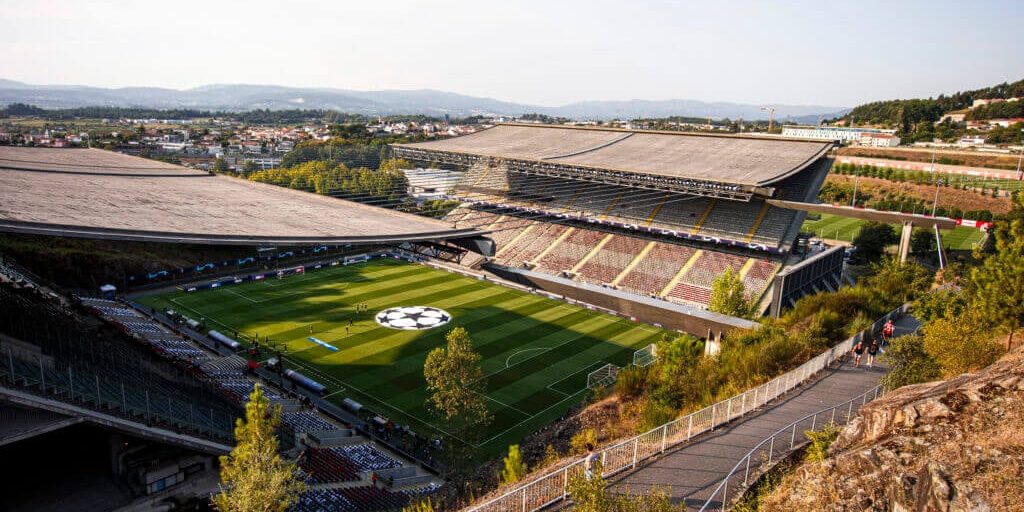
pixel 411 318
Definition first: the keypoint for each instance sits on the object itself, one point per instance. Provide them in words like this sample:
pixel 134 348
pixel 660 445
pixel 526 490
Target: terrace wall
pixel 649 310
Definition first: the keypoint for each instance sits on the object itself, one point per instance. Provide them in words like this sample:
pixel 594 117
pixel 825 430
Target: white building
pixel 840 133
pixel 879 140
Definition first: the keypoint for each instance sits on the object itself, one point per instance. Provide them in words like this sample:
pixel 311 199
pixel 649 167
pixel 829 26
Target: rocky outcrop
pixel 955 445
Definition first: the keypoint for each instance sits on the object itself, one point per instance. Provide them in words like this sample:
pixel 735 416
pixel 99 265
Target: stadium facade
pixel 658 214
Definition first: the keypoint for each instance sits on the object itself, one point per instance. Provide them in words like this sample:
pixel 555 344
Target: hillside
pixel 941 446
pixel 915 118
pixel 896 113
pixel 243 97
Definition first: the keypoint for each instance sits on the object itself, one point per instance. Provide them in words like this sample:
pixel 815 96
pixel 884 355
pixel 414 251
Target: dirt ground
pixel 966 200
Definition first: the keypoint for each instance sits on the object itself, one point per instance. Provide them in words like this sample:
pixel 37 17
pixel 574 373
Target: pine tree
pixel 515 468
pixel 254 477
pixel 997 286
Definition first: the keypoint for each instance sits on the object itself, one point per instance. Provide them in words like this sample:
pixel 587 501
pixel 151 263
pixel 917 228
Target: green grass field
pixel 844 228
pixel 536 352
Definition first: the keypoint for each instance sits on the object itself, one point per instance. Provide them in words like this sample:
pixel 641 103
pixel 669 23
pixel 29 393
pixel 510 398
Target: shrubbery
pixel 959 346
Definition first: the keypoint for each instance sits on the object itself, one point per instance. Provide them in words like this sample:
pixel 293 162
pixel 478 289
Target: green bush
pixel 580 440
pixel 820 441
pixel 632 381
pixel 654 413
pixel 960 346
pixel 908 362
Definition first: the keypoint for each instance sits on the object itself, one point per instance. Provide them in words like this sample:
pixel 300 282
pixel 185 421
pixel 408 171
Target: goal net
pixel 645 356
pixel 603 376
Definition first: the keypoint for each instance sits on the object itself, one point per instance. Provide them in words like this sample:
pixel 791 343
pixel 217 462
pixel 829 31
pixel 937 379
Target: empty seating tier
pixel 611 260
pixel 528 247
pixel 655 271
pixel 573 249
pixel 710 265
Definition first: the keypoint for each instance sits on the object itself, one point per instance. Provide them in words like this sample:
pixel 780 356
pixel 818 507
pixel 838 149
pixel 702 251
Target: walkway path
pixel 692 472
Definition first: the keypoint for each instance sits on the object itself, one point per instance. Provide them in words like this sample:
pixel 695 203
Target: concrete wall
pixel 694 321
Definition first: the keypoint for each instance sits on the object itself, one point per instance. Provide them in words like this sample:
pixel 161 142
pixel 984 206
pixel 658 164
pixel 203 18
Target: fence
pixel 129 399
pixel 769 449
pixel 553 487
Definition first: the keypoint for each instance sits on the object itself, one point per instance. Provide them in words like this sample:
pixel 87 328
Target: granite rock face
pixel 955 445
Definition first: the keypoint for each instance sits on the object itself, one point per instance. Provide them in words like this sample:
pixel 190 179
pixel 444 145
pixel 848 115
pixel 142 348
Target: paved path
pixel 692 472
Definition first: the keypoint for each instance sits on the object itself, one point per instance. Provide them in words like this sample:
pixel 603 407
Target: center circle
pixel 412 318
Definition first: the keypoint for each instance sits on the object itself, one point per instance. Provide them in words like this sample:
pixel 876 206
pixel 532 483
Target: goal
pixel 645 356
pixel 603 377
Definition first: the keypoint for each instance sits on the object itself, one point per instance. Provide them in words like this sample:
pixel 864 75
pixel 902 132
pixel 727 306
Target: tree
pixel 515 468
pixel 909 363
pixel 922 243
pixel 457 395
pixel 728 296
pixel 395 164
pixel 897 281
pixel 254 477
pixel 220 165
pixel 942 303
pixel 959 345
pixel 996 289
pixel 872 240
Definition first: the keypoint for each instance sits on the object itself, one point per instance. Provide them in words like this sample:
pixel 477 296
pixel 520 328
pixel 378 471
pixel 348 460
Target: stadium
pixel 572 251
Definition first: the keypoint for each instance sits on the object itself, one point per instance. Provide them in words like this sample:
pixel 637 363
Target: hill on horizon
pixel 242 97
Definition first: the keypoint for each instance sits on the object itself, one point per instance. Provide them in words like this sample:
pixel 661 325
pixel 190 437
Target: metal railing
pixel 781 443
pixel 553 487
pixel 129 399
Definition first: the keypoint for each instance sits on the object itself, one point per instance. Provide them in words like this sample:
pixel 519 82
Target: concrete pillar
pixel 938 246
pixel 908 229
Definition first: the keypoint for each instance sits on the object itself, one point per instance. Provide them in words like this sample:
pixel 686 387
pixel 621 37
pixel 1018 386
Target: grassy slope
pixel 843 228
pixel 536 351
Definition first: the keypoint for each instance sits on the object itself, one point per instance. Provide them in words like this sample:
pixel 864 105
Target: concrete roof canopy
pixel 733 159
pixel 96 193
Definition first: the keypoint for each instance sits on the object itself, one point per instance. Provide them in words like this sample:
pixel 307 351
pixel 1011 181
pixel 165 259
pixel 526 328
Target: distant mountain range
pixel 241 97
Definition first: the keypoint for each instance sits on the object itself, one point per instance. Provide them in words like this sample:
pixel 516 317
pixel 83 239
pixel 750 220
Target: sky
pixel 541 52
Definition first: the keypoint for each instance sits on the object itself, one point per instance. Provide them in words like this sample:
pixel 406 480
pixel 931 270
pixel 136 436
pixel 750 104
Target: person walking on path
pixel 858 351
pixel 589 462
pixel 872 352
pixel 887 331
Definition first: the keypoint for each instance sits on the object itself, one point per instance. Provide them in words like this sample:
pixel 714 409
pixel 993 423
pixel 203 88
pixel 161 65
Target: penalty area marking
pixel 508 362
pixel 585 368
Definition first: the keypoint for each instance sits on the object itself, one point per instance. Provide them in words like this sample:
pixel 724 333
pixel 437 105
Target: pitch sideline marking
pixel 516 409
pixel 546 409
pixel 232 292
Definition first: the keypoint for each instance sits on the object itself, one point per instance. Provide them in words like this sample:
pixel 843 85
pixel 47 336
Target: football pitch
pixel 846 229
pixel 536 352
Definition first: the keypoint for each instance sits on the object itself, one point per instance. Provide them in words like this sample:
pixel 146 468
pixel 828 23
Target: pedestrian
pixel 590 462
pixel 872 352
pixel 858 351
pixel 373 479
pixel 346 330
pixel 887 331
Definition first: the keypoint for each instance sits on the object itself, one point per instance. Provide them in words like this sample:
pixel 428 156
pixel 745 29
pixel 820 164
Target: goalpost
pixel 645 356
pixel 603 376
